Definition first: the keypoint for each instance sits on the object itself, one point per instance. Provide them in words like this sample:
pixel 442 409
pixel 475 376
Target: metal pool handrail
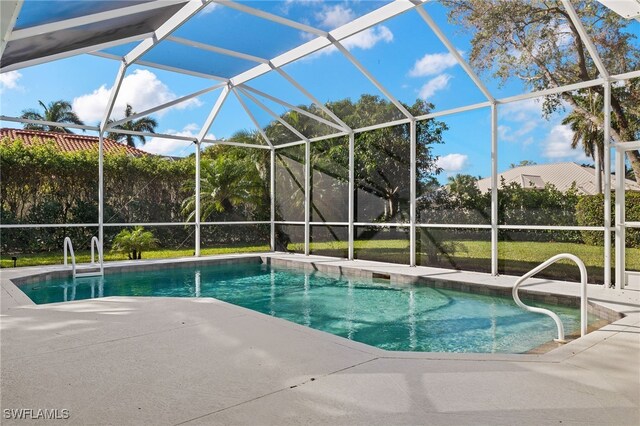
pixel 96 243
pixel 556 318
pixel 69 247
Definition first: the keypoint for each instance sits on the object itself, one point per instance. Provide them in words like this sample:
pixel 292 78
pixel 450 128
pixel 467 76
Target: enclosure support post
pixel 101 189
pixel 352 139
pixel 272 191
pixel 607 187
pixel 620 238
pixel 197 213
pixel 307 195
pixel 494 189
pixel 598 165
pixel 620 220
pixel 103 125
pixel 412 193
pixel 352 195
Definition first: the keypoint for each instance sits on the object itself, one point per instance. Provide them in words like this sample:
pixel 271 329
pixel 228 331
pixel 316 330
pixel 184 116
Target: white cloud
pixel 368 38
pixel 330 17
pixel 142 90
pixel 363 40
pixel 507 134
pixel 557 145
pixel 208 9
pixel 164 146
pixel 452 163
pixel 432 64
pixel 516 53
pixel 9 80
pixel 503 132
pixel 527 110
pixel 288 4
pixel 564 34
pixel 334 16
pixel 434 85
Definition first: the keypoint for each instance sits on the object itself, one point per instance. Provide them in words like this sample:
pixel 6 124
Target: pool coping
pixel 621 308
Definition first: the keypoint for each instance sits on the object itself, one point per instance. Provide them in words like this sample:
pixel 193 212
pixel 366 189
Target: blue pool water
pixel 407 318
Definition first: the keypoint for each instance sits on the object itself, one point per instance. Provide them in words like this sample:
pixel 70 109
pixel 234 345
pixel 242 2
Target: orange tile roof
pixel 69 142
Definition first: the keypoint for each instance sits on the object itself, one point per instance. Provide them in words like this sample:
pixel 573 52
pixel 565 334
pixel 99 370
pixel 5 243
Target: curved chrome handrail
pixel 69 247
pixel 95 242
pixel 556 318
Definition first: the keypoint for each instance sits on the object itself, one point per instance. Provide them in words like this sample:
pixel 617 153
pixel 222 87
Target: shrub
pixel 461 202
pixel 134 242
pixel 590 212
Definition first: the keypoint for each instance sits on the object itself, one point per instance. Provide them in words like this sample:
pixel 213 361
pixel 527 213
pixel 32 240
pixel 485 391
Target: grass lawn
pixel 517 250
pixel 514 257
pixel 84 256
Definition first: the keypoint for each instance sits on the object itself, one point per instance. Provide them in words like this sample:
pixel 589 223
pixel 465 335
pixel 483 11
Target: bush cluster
pixel 461 202
pixel 590 212
pixel 41 184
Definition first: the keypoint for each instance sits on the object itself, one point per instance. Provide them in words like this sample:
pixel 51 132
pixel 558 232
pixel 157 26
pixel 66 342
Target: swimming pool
pixel 375 312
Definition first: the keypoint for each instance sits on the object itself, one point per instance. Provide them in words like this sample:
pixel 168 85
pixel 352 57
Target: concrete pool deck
pixel 139 360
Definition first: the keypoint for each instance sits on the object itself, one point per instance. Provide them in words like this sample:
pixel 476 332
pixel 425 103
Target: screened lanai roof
pixel 233 44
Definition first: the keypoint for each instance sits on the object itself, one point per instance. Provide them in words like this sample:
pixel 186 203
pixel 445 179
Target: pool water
pixel 397 318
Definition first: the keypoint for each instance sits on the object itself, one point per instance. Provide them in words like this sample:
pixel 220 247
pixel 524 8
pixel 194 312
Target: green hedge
pixel 590 212
pixel 41 184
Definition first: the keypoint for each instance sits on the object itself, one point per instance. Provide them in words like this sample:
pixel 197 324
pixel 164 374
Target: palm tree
pixel 464 186
pixel 587 134
pixel 256 156
pixel 57 111
pixel 225 183
pixel 144 124
pixel 133 242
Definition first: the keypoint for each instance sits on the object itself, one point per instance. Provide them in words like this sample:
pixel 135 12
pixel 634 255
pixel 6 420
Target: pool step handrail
pixel 68 247
pixel 95 244
pixel 556 318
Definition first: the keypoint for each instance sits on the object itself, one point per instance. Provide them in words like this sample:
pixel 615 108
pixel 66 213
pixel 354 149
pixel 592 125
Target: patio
pixel 333 178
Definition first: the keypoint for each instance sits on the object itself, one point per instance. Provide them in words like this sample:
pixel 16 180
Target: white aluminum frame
pixel 252 118
pixel 9 11
pixel 607 184
pixel 90 19
pixel 272 193
pixel 621 223
pixel 352 196
pixel 494 189
pixel 165 105
pixel 307 197
pixel 323 39
pixel 292 107
pixel 412 192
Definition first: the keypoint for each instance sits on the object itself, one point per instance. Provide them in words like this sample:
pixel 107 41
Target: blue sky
pixel 402 53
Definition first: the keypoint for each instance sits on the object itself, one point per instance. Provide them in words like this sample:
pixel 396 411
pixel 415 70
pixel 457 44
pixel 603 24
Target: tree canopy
pixel 536 42
pixel 382 156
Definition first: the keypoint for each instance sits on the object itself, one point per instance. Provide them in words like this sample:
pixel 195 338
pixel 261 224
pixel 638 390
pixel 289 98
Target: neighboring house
pixel 69 142
pixel 560 175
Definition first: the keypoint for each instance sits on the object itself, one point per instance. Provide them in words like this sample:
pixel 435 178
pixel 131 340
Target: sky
pixel 403 54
